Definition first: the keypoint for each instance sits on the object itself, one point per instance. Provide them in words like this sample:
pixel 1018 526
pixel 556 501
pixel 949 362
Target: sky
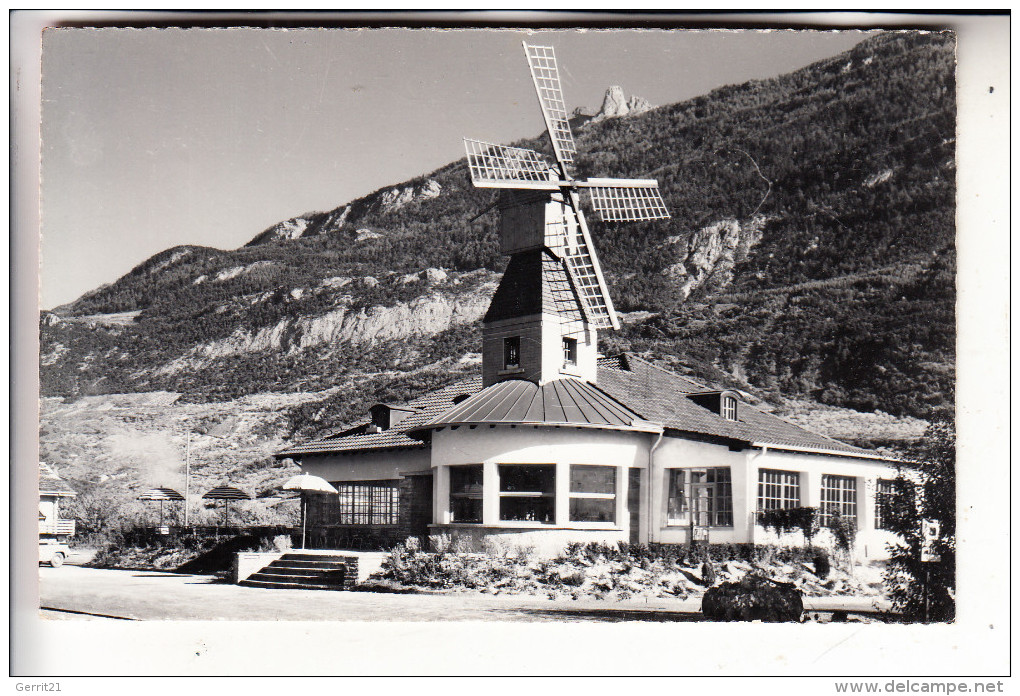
pixel 153 138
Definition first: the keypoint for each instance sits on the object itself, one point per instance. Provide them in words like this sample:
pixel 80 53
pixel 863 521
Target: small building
pixel 51 489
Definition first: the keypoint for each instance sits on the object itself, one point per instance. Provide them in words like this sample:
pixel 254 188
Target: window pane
pixel 527 509
pixel 527 493
pixel 839 494
pixel 710 493
pixel 592 479
pixel 593 509
pixel 512 351
pixel 778 490
pixel 676 509
pixel 466 493
pixel 365 502
pixel 527 478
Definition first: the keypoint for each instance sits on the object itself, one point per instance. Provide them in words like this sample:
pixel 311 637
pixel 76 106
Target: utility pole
pixel 187 479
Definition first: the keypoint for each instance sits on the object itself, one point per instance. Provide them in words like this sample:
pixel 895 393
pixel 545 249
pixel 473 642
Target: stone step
pixel 315 557
pixel 278 585
pixel 299 579
pixel 305 572
pixel 307 564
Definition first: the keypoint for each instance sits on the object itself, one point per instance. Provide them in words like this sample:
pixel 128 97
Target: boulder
pixel 753 598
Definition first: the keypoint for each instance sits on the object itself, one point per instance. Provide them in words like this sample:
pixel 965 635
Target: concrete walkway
pixel 71 592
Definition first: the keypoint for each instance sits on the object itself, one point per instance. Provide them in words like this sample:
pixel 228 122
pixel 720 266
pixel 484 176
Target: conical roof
pixel 226 493
pixel 161 494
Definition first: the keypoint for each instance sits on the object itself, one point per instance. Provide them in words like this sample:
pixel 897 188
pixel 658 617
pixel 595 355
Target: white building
pixel 552 445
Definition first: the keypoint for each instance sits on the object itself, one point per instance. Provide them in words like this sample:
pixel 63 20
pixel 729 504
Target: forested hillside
pixel 810 253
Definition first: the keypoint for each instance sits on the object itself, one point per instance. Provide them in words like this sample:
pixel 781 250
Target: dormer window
pixel 723 403
pixel 729 408
pixel 569 352
pixel 511 352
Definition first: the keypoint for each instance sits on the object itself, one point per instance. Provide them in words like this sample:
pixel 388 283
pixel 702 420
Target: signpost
pixel 930 532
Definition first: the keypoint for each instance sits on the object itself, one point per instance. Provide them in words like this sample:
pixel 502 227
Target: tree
pixel 925 591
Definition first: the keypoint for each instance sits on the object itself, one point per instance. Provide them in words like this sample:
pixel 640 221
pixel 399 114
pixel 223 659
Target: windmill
pixel 541 205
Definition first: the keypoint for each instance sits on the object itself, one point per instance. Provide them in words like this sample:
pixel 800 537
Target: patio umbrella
pixel 161 494
pixel 226 494
pixel 306 483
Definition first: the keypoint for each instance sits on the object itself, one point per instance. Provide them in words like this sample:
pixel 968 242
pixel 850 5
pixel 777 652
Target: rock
pixel 435 275
pixel 365 233
pixel 336 282
pixel 753 598
pixel 369 282
pixel 397 198
pixel 615 105
pixel 49 319
pixel 638 105
pixel 709 255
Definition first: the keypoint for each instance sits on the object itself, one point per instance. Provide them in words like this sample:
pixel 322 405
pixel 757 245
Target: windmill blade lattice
pixel 628 204
pixel 546 74
pixel 500 166
pixel 586 273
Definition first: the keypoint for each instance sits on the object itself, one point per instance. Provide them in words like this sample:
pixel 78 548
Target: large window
pixel 592 493
pixel 884 491
pixel 527 493
pixel 708 492
pixel 466 493
pixel 839 493
pixel 367 502
pixel 511 353
pixel 778 490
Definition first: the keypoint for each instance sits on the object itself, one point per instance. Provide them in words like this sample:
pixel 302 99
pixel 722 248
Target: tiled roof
pixel 51 484
pixel 565 401
pixel 639 391
pixel 528 286
pixel 356 438
pixel 664 397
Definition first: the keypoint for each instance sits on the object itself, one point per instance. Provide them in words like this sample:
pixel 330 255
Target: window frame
pixel 783 497
pixel 721 506
pixel 511 345
pixel 546 495
pixel 728 407
pixel 371 503
pixel 883 513
pixel 569 351
pixel 589 495
pixel 465 495
pixel 846 498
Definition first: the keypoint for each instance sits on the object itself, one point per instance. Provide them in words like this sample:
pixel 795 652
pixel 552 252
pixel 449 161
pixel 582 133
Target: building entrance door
pixel 634 503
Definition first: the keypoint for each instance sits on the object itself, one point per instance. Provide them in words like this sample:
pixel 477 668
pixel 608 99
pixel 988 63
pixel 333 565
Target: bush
pixel 822 565
pixel 753 598
pixel 926 591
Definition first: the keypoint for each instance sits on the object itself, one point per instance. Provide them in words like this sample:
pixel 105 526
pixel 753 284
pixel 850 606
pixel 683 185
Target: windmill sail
pixel 582 296
pixel 586 273
pixel 500 166
pixel 615 203
pixel 546 74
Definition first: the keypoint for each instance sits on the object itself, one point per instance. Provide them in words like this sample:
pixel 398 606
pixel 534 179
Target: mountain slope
pixel 810 253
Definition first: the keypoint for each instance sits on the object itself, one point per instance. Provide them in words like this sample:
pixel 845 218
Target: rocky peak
pixel 615 104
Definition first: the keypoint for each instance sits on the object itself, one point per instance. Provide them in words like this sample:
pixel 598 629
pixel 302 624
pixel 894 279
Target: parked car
pixel 53 552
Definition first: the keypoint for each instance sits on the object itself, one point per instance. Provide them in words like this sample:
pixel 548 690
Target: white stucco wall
pixel 744 467
pixel 367 466
pixel 561 447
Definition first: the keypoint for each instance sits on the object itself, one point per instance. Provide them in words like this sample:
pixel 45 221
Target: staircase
pixel 307 571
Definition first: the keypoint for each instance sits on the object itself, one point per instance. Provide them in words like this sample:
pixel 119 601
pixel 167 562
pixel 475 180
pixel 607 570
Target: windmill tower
pixel 544 317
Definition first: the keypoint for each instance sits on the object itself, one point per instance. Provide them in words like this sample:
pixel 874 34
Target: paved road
pixel 89 593
pixel 70 592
